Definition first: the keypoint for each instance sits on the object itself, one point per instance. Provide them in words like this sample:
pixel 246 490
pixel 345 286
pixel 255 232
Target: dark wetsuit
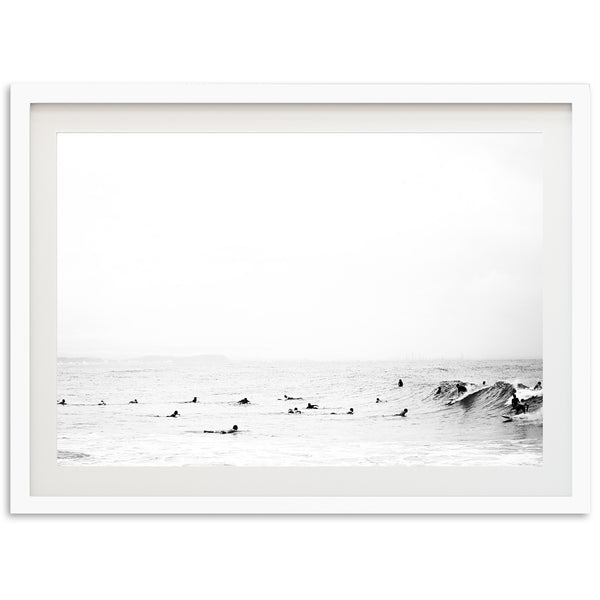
pixel 234 429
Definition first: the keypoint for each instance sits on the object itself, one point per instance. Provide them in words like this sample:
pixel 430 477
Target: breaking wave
pixel 493 400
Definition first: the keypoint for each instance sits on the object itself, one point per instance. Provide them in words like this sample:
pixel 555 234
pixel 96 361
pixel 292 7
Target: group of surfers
pixel 518 406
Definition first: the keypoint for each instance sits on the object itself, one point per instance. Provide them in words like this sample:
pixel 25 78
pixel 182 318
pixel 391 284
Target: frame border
pixel 24 95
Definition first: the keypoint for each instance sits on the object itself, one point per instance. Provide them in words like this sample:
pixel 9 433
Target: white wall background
pixel 310 41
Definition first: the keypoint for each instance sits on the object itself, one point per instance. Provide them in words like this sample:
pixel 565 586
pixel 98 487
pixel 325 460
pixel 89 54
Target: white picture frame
pixel 29 428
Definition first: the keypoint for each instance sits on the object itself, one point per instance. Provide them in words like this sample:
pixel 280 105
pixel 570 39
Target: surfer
pixel 518 406
pixel 438 391
pixel 350 412
pixel 514 401
pixel 377 401
pixel 483 383
pixel 195 400
pixel 244 401
pixel 538 386
pixel 174 415
pixel 460 388
pixel 309 405
pixel 62 402
pixel 232 430
pixel 101 403
pixel 133 402
pixel 402 414
pixel 286 397
pixel 400 383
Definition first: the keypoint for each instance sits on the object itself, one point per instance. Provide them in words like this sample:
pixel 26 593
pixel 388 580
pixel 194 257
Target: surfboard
pixel 507 417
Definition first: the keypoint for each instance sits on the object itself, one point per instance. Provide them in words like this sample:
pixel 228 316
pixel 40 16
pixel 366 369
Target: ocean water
pixel 444 428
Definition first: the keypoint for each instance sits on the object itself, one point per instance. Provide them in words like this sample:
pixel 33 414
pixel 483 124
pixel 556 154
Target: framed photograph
pixel 300 298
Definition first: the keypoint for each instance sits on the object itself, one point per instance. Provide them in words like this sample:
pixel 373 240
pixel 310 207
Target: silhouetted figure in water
pixel 460 388
pixel 62 402
pixel 538 386
pixel 350 412
pixel 232 430
pixel 174 415
pixel 194 400
pixel 521 408
pixel 244 401
pixel 402 414
pixel 483 383
pixel 514 401
pixel 518 406
pixel 309 405
pixel 133 402
pixel 400 383
pixel 377 401
pixel 295 411
pixel 101 403
pixel 286 397
pixel 438 391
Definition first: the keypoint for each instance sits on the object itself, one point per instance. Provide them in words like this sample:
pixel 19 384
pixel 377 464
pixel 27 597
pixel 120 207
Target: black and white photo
pixel 300 299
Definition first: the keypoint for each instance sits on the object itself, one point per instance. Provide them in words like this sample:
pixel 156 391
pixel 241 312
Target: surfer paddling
pixel 234 429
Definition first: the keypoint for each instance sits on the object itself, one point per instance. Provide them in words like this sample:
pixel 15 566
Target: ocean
pixel 442 427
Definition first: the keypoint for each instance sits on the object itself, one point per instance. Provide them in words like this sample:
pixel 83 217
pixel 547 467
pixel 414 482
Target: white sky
pixel 318 246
